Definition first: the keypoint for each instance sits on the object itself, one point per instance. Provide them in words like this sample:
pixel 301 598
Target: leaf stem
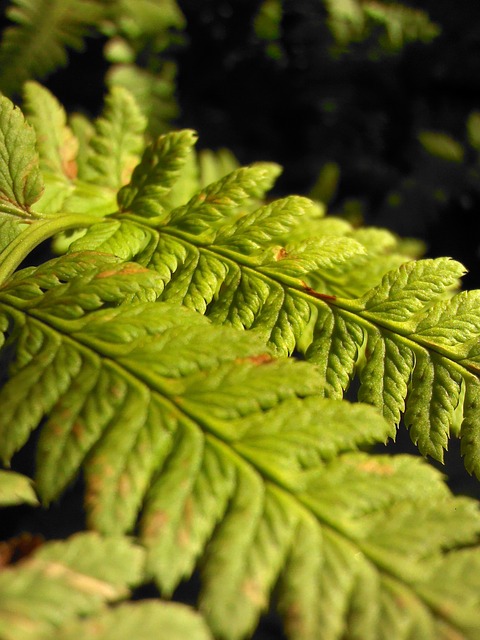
pixel 35 234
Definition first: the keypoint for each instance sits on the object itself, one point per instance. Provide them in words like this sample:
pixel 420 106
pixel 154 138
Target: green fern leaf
pixel 148 19
pixel 84 130
pixel 384 252
pixel 138 36
pixel 228 456
pixel 16 488
pixel 10 229
pixel 20 177
pixel 154 177
pixel 117 142
pixel 62 581
pixel 84 165
pixel 215 165
pixel 153 90
pixel 404 336
pixel 147 620
pixel 56 144
pixel 42 32
pixel 462 564
pixel 102 154
pixel 209 206
pixel 55 141
pixel 21 183
pixel 107 152
pixel 225 262
pixel 102 279
pixel 250 233
pixel 407 290
pixel 352 21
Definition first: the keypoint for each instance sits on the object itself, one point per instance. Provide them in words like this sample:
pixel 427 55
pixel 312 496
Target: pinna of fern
pixel 66 589
pixel 221 456
pixel 40 35
pixel 220 251
pixel 205 441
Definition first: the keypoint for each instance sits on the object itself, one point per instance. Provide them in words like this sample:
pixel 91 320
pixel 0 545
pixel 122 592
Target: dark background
pixel 306 108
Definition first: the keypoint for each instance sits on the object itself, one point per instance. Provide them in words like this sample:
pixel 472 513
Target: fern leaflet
pixel 229 455
pixel 62 591
pixel 20 177
pixel 218 254
pixel 243 263
pixel 42 31
pixel 145 620
pixel 16 488
pixel 226 253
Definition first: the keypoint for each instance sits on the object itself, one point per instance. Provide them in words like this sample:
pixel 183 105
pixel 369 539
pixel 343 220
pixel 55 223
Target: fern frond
pixel 154 177
pixel 223 198
pixel 154 90
pixel 145 620
pixel 384 252
pixel 354 21
pixel 84 170
pixel 57 146
pixel 62 583
pixel 245 264
pixel 117 142
pixel 56 143
pixel 215 165
pixel 227 456
pixel 40 36
pixel 225 261
pixel 147 22
pixel 20 178
pixel 138 36
pixel 41 159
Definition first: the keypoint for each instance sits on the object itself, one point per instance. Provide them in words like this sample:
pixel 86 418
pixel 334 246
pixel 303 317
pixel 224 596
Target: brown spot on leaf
pixel 183 537
pixel 128 170
pixel 316 294
pixel 80 581
pixel 261 358
pixel 124 486
pixel 116 391
pixel 156 524
pixel 281 253
pixel 69 168
pixel 68 153
pixel 78 431
pixel 376 468
pixel 127 270
pixel 55 428
pixel 293 620
pixel 254 592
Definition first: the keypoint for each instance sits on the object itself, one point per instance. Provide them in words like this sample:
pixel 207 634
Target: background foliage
pixel 370 107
